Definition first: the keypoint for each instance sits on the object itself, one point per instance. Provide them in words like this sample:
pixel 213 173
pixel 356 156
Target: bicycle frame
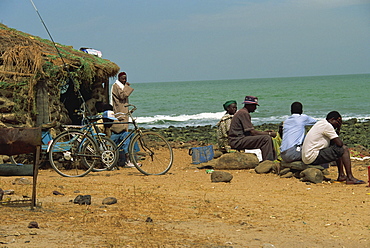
pixel 91 128
pixel 136 128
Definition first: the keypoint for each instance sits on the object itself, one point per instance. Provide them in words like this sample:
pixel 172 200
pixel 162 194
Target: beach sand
pixel 187 210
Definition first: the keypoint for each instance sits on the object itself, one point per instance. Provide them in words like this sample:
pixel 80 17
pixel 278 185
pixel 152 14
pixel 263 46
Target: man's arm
pixel 256 132
pixel 338 141
pixel 122 94
pixel 310 121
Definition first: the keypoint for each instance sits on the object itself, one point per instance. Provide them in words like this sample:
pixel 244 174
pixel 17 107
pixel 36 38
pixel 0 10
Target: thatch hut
pixel 37 86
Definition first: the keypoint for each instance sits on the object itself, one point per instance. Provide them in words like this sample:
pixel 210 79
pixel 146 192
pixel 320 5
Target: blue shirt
pixel 294 130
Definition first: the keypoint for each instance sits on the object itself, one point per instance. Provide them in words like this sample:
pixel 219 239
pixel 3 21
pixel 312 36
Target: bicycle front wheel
pixel 69 152
pixel 151 153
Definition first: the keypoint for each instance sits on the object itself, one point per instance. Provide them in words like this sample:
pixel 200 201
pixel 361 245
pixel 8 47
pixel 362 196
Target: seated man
pixel 294 132
pixel 322 145
pixel 223 125
pixel 242 134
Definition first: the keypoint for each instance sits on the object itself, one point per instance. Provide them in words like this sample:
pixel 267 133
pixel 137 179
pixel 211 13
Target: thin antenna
pixel 47 30
pixel 60 55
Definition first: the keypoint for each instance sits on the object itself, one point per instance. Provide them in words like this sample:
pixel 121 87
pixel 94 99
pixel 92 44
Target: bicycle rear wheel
pixel 151 153
pixel 109 154
pixel 67 156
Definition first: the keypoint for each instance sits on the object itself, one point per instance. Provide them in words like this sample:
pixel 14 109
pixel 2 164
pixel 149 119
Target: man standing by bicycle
pixel 121 90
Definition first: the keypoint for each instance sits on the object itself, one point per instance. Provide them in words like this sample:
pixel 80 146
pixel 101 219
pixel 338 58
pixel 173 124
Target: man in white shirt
pixel 323 145
pixel 294 133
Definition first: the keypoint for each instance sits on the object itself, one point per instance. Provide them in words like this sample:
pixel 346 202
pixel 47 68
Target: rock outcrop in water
pixel 353 133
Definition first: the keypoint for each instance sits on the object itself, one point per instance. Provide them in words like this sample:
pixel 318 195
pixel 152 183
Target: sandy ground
pixel 188 210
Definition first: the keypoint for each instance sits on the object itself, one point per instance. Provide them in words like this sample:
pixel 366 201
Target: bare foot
pixel 342 179
pixel 355 181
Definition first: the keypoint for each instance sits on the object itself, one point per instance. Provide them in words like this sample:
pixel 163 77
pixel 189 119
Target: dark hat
pixel 251 100
pixel 121 73
pixel 228 103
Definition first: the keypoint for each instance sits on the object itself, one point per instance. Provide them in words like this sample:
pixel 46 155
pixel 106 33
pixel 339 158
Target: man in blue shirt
pixel 294 133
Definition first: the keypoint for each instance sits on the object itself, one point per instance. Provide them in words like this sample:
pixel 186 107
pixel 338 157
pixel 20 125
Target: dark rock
pixel 82 200
pixel 236 161
pixel 325 172
pixel 287 175
pixel 296 165
pixel 311 175
pixel 109 201
pixel 284 171
pixel 319 167
pixel 264 167
pixel 149 219
pixel 221 176
pixel 57 193
pixel 33 224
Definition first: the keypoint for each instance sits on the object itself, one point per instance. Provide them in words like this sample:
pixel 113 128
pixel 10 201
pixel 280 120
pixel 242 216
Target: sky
pixel 191 40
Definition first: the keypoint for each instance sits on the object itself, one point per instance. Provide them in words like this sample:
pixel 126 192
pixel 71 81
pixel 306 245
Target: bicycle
pixel 150 152
pixel 107 148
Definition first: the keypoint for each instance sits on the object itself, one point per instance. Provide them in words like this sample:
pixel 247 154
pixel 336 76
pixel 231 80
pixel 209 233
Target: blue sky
pixel 186 40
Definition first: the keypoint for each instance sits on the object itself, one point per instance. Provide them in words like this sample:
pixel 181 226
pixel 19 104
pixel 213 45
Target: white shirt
pixel 121 85
pixel 317 138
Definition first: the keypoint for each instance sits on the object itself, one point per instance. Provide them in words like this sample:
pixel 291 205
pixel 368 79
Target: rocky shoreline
pixel 353 133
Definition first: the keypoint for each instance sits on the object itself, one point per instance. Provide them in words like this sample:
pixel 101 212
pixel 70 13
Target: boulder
pixel 264 167
pixel 287 175
pixel 221 176
pixel 217 154
pixel 236 161
pixel 284 171
pixel 296 165
pixel 311 175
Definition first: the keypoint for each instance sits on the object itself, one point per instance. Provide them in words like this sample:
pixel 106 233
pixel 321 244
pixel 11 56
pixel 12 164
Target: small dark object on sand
pixel 83 200
pixel 57 193
pixel 33 224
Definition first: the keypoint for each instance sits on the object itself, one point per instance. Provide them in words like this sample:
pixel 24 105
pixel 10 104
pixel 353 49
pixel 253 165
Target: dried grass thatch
pixel 28 62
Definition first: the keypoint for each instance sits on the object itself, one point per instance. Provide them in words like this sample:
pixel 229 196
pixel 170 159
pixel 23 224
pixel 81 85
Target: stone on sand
pixel 236 161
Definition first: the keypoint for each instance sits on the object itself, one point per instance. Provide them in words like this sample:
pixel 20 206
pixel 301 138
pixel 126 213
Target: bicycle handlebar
pixel 131 105
pixel 99 116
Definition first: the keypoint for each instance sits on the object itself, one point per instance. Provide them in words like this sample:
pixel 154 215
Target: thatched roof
pixel 22 54
pixel 34 79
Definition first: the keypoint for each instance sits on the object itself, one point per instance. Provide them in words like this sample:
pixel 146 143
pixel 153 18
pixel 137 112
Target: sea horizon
pixel 199 103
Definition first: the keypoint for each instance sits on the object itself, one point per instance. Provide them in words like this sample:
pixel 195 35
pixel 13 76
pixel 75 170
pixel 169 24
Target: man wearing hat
pixel 223 125
pixel 121 90
pixel 242 134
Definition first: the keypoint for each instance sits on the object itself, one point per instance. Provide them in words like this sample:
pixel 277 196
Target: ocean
pixel 199 103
